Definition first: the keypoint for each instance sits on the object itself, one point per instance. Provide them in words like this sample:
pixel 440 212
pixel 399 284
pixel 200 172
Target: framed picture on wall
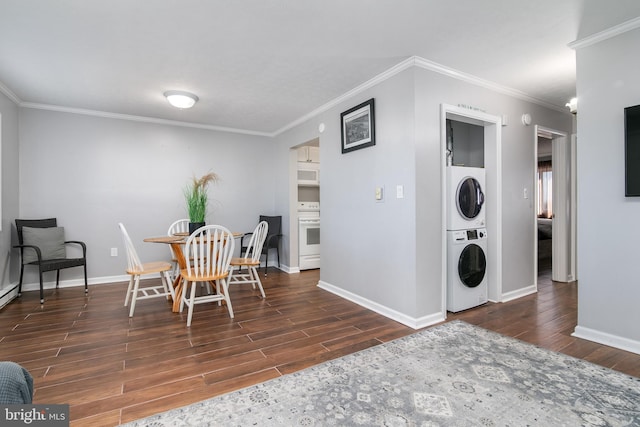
pixel 358 127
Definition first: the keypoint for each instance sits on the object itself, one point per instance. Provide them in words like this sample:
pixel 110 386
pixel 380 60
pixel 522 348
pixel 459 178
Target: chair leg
pixel 57 279
pixel 126 299
pixel 86 282
pixel 256 278
pixel 20 282
pixel 191 303
pixel 231 270
pixel 183 298
pixel 163 282
pixel 169 285
pixel 134 295
pixel 41 287
pixel 266 263
pixel 223 283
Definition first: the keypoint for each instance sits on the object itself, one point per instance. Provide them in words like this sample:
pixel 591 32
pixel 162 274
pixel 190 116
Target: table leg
pixel 178 283
pixel 177 291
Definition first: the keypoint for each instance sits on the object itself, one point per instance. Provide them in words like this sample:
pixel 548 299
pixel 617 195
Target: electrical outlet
pixel 114 251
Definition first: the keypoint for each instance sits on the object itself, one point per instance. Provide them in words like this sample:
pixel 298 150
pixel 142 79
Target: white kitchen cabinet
pixel 309 154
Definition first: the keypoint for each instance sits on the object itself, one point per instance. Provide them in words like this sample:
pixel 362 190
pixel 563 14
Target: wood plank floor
pixel 111 369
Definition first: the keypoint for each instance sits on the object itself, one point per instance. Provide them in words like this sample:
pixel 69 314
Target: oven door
pixel 309 236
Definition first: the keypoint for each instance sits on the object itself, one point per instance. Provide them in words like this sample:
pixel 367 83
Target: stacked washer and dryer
pixel 466 238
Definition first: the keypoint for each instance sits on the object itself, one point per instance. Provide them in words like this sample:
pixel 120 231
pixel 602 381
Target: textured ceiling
pixel 259 65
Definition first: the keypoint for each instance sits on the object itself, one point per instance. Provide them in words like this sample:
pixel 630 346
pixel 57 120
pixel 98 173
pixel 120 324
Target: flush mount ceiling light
pixel 180 99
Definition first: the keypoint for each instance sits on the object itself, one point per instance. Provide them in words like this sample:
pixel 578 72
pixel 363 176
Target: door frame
pixel 564 197
pixel 493 182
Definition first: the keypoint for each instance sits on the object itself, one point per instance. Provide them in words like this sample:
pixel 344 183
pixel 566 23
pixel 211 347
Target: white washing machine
pixel 466 269
pixel 465 198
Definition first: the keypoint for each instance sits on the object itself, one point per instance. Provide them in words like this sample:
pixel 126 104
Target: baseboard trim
pixel 412 322
pixel 8 294
pixel 607 339
pixel 35 286
pixel 509 296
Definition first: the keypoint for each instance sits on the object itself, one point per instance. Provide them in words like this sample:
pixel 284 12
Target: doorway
pixel 305 206
pixel 554 206
pixel 490 126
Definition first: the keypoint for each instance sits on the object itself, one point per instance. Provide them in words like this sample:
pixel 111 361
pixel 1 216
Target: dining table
pixel 177 241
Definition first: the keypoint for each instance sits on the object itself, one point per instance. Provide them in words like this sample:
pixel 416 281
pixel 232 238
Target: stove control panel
pixel 308 206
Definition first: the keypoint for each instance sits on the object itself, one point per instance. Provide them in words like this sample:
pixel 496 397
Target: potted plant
pixel 197 200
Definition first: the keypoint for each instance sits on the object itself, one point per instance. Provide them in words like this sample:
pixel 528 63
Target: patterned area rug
pixel 454 374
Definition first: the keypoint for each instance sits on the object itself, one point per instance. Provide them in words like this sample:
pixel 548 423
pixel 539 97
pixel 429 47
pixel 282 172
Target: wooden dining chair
pixel 176 228
pixel 208 252
pixel 135 269
pixel 250 260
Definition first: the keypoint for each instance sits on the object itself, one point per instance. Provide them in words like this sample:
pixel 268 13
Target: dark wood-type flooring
pixel 87 352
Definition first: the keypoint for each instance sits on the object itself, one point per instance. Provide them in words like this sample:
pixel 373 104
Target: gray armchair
pixel 272 241
pixel 42 245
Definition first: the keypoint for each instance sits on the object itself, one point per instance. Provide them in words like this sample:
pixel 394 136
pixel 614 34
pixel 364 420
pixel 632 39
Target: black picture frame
pixel 358 127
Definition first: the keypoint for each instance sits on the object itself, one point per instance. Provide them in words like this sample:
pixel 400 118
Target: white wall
pixel 388 255
pixel 518 162
pixel 93 172
pixel 9 139
pixel 371 244
pixel 609 291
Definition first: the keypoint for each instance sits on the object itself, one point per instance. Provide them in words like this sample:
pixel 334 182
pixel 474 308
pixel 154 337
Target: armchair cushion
pixel 50 240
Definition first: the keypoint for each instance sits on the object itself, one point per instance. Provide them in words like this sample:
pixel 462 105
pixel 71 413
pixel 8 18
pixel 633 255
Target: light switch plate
pixel 399 192
pixel 379 193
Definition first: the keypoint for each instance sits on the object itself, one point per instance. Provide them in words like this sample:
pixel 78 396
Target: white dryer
pixel 465 198
pixel 466 269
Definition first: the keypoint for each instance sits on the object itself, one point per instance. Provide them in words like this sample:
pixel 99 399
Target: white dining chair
pixel 208 252
pixel 177 227
pixel 250 260
pixel 135 268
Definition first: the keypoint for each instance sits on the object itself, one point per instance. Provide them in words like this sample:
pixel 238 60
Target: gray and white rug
pixel 454 374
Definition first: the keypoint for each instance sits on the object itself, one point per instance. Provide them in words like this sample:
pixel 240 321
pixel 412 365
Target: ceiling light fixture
pixel 573 105
pixel 180 99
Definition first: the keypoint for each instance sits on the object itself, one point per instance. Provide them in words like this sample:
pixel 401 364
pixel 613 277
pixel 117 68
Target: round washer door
pixel 469 198
pixel 472 265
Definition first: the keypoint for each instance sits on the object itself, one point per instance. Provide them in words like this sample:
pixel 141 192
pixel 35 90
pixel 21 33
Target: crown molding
pixel 413 61
pixel 12 96
pixel 133 118
pixel 614 31
pixel 407 63
pixel 416 61
pixel 477 81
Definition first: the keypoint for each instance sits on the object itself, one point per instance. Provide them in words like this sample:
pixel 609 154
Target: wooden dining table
pixel 177 242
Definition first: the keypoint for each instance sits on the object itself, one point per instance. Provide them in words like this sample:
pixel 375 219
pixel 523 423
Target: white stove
pixel 309 209
pixel 309 235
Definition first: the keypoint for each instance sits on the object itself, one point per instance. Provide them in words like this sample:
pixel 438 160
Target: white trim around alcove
pixel 493 165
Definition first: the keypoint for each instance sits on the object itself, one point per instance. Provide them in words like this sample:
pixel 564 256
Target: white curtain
pixel 545 192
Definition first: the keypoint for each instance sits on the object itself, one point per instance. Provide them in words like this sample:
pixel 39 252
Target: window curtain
pixel 545 192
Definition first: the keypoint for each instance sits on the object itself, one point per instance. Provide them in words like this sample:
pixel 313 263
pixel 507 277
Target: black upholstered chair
pixel 272 241
pixel 42 245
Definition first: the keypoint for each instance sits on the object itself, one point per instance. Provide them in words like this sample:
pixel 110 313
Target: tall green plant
pixel 197 197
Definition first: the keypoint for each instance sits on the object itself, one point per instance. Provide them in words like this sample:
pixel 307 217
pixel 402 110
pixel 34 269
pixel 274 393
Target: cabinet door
pixel 314 154
pixel 309 154
pixel 303 154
